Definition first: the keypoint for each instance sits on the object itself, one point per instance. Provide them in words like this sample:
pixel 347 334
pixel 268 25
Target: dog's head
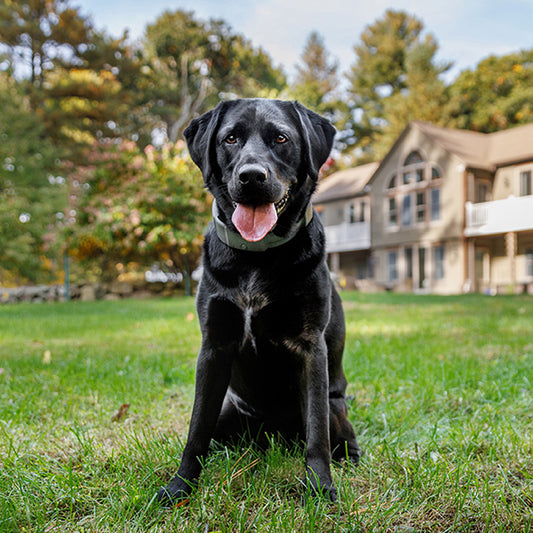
pixel 260 159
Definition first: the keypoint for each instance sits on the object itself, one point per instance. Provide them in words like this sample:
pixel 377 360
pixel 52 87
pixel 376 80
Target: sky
pixel 466 30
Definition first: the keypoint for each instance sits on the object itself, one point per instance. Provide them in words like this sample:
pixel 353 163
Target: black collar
pixel 270 240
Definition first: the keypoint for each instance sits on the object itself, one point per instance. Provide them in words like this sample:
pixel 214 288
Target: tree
pixel 82 82
pixel 193 62
pixel 31 196
pixel 423 98
pixel 496 95
pixel 388 48
pixel 145 207
pixel 41 33
pixel 317 81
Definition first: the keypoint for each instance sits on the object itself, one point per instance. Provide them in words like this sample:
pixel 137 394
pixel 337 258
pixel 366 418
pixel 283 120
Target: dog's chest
pixel 255 318
pixel 252 297
pixel 253 294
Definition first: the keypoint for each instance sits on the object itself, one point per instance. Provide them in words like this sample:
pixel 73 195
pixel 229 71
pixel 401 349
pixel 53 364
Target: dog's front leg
pixel 314 393
pixel 213 372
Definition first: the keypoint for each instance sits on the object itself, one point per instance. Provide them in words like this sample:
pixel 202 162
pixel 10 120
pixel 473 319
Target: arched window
pixel 413 193
pixel 413 158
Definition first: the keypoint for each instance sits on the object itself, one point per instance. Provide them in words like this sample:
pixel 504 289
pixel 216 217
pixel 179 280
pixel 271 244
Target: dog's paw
pixel 176 491
pixel 328 493
pixel 321 489
pixel 347 454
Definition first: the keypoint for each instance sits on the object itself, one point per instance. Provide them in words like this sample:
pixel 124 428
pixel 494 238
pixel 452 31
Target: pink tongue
pixel 253 223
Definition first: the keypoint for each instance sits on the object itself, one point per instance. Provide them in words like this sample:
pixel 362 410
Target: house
pixel 451 211
pixel 342 201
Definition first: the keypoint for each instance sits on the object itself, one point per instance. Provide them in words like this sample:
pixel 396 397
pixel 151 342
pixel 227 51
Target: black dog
pixel 271 320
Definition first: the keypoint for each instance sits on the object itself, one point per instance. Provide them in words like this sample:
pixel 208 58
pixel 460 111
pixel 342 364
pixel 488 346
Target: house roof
pixel 511 146
pixel 486 151
pixel 470 146
pixel 344 183
pixel 483 150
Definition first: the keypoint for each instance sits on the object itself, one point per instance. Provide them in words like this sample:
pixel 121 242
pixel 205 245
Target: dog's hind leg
pixel 342 436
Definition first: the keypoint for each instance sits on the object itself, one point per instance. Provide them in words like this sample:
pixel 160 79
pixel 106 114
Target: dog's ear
pixel 318 135
pixel 200 136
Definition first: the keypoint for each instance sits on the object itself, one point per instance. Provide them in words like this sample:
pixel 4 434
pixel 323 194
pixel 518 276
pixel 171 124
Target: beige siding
pixel 507 180
pixel 452 195
pixel 504 183
pixel 332 213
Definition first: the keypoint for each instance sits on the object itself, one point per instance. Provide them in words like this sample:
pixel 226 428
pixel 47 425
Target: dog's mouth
pixel 253 222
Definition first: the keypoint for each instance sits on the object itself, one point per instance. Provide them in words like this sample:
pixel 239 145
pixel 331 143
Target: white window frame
pixel 420 181
pixel 521 172
pixel 529 263
pixel 392 266
pixel 439 264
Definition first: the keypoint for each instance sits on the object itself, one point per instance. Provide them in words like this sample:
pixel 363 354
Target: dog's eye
pixel 231 139
pixel 280 139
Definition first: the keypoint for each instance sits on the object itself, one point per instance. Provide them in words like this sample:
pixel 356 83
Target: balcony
pixel 348 237
pixel 500 216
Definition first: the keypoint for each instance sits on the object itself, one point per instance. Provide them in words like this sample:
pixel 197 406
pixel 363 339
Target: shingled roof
pixel 486 151
pixel 345 183
pixel 483 150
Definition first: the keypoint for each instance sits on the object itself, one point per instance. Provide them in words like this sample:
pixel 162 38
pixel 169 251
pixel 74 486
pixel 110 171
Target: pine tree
pixel 391 56
pixel 317 81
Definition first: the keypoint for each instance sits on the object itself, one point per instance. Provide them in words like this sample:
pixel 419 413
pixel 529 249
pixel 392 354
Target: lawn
pixel 442 407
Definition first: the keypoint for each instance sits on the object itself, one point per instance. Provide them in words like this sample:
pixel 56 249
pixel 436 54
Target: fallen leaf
pixel 47 357
pixel 120 413
pixel 189 317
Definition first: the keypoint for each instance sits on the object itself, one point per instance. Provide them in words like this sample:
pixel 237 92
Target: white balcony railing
pixel 499 216
pixel 345 237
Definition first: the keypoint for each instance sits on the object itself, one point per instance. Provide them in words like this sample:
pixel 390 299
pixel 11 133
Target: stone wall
pixel 88 292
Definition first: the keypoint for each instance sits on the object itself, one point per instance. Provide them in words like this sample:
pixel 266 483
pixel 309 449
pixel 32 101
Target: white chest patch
pixel 251 298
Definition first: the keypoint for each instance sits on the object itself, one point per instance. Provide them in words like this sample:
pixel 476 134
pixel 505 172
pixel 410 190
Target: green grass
pixel 443 410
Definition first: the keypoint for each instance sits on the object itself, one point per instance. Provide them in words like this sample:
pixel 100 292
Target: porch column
pixel 335 262
pixel 416 269
pixel 510 247
pixel 470 283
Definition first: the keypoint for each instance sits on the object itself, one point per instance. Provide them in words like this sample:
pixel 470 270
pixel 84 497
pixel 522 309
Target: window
pixel 482 192
pixel 351 213
pixel 525 183
pixel 362 211
pixel 413 158
pixel 392 212
pixel 435 173
pixel 529 263
pixel 420 206
pixel 413 193
pixel 393 266
pixel 435 204
pixel 357 212
pixel 361 270
pixel 438 262
pixel 406 210
pixel 409 263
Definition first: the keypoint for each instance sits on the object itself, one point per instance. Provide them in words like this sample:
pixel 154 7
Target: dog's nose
pixel 251 173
